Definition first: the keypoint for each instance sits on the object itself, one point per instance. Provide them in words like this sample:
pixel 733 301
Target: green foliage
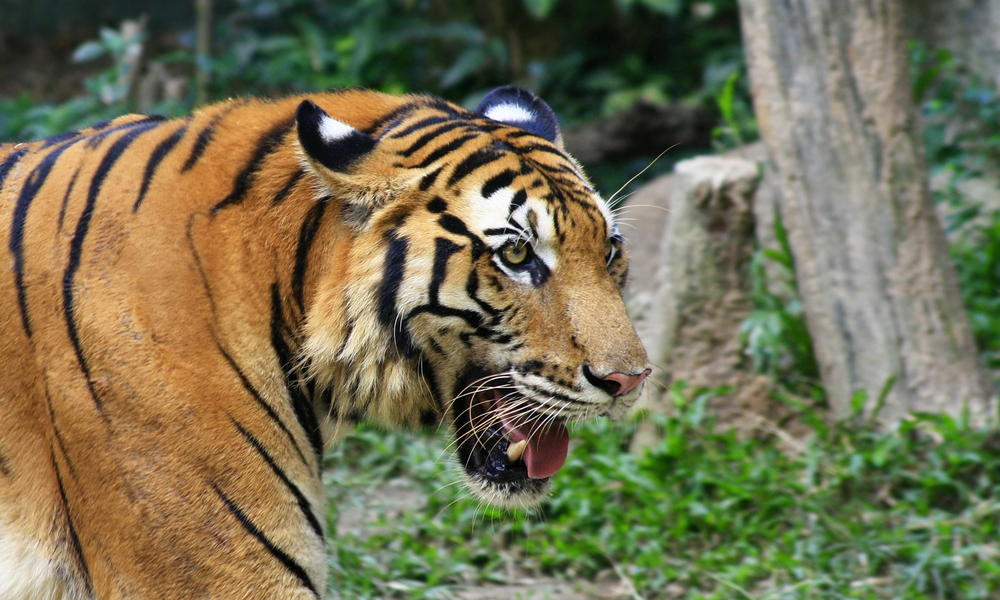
pixel 454 49
pixel 775 334
pixel 962 138
pixel 978 262
pixel 459 49
pixel 105 94
pixel 23 118
pixel 112 85
pixel 850 512
pixel 739 125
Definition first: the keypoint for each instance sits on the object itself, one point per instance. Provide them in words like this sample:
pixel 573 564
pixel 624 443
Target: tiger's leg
pixel 39 558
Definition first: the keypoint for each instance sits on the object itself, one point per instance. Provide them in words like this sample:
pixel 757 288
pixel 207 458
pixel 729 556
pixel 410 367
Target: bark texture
pixel 691 286
pixel 833 98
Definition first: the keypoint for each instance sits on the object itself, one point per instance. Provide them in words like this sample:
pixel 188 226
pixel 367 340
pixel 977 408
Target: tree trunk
pixel 833 98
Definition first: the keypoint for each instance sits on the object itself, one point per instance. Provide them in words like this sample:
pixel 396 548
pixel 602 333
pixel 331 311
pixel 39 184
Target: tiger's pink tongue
pixel 548 445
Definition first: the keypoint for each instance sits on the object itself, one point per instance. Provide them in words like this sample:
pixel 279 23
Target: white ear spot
pixel 332 130
pixel 506 113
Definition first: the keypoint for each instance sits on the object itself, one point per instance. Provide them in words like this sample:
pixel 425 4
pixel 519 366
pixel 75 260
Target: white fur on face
pixel 609 218
pixel 491 213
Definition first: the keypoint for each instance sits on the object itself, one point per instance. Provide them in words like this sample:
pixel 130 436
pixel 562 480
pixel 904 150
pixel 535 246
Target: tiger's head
pixel 481 287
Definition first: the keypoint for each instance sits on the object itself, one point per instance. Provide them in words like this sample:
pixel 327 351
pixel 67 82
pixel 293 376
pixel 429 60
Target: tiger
pixel 196 307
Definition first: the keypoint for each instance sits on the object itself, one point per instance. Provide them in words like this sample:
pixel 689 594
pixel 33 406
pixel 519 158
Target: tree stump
pixel 690 311
pixel 833 99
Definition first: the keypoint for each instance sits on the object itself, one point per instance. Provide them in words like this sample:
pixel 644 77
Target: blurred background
pixel 752 471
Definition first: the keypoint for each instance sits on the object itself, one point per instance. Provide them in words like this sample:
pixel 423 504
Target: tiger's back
pixel 195 305
pixel 90 219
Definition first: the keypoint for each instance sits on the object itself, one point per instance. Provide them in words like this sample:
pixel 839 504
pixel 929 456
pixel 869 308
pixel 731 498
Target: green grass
pixel 848 513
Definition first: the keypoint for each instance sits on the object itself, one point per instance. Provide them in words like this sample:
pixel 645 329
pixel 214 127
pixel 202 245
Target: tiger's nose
pixel 616 384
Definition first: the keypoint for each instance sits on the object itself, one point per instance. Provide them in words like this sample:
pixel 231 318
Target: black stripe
pixel 477 159
pixel 159 153
pixel 59 137
pixel 558 170
pixel 519 199
pixel 283 192
pixel 498 181
pixel 4 465
pixel 30 188
pixel 95 139
pixel 205 136
pixel 469 316
pixel 443 249
pixel 428 180
pixel 66 196
pixel 502 231
pixel 302 406
pixel 303 503
pixel 268 143
pixel 8 164
pixel 431 102
pixel 420 125
pixel 58 434
pixel 457 226
pixel 307 234
pixel 286 560
pixel 392 115
pixel 472 288
pixel 437 205
pixel 427 137
pixel 551 394
pixel 76 248
pixel 260 401
pixel 519 133
pixel 543 148
pixel 392 276
pixel 451 146
pixel 73 537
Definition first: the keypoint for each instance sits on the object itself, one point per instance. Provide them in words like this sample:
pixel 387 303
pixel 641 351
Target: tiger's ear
pixel 331 150
pixel 519 107
pixel 331 143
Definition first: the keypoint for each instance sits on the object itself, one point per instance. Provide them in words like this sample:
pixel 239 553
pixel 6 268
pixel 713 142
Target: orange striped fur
pixel 195 306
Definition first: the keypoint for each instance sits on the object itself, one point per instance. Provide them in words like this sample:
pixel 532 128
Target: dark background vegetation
pixel 844 510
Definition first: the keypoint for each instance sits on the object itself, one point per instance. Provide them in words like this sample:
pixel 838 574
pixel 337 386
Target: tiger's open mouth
pixel 505 444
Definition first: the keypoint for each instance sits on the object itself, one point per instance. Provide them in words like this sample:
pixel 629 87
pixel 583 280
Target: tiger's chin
pixel 494 477
pixel 507 448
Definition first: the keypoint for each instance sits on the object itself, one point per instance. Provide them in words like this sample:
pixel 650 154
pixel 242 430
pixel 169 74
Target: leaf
pixel 88 51
pixel 858 400
pixel 539 9
pixel 468 62
pixel 671 8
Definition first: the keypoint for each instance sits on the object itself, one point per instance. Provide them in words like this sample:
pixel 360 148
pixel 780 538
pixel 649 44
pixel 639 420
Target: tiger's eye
pixel 515 254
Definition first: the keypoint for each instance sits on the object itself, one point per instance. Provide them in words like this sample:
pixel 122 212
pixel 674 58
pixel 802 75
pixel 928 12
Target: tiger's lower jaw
pixel 507 450
pixel 496 472
pixel 517 495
